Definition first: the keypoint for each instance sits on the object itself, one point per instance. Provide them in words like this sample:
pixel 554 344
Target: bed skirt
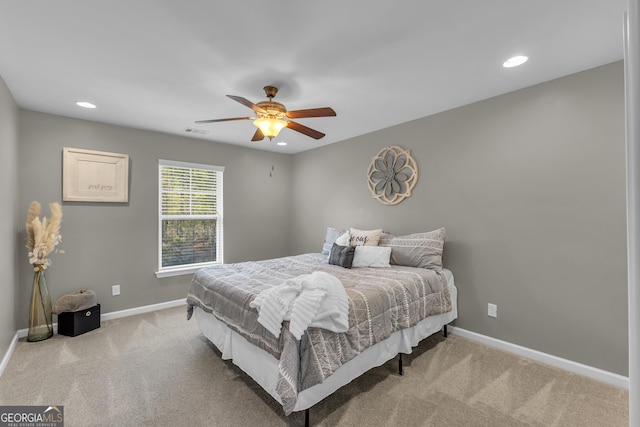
pixel 263 367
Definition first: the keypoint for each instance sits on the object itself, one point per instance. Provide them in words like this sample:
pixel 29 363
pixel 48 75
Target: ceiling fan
pixel 273 116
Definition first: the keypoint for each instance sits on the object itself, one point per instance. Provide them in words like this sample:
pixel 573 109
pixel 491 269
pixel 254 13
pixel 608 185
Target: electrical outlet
pixel 115 290
pixel 492 310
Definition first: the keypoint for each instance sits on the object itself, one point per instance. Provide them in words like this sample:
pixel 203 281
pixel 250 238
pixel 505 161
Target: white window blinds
pixel 190 214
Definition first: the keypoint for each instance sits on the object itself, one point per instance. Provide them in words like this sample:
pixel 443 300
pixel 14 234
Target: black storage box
pixel 78 322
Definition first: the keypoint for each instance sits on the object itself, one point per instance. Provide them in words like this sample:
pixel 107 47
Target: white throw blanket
pixel 317 299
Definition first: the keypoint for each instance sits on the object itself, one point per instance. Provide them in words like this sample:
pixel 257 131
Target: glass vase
pixel 40 323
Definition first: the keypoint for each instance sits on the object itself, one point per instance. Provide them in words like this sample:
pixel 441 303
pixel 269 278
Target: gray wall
pixel 531 189
pixel 108 244
pixel 530 186
pixel 9 223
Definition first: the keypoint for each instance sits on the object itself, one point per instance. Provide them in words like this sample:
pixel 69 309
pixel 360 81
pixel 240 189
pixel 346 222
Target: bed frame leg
pixel 306 417
pixel 400 371
pixel 444 331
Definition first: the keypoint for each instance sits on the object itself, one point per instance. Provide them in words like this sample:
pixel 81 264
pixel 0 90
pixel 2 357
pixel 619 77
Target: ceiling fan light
pixel 270 127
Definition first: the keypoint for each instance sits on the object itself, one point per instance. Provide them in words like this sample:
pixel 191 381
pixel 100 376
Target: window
pixel 190 217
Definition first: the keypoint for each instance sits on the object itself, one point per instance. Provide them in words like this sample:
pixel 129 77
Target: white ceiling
pixel 162 64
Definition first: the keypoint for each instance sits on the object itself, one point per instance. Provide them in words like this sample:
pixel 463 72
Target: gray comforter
pixel 381 301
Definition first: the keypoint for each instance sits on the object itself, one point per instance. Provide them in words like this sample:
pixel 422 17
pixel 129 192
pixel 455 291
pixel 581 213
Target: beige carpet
pixel 156 369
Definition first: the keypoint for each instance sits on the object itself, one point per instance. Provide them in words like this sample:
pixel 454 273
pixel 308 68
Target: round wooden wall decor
pixel 392 175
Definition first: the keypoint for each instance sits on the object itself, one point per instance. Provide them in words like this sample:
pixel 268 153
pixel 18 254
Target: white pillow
pixel 364 237
pixel 371 256
pixel 343 240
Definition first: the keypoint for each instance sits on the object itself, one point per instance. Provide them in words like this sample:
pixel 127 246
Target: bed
pixel 390 311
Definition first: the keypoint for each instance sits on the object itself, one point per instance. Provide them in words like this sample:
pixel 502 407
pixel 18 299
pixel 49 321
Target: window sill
pixel 181 271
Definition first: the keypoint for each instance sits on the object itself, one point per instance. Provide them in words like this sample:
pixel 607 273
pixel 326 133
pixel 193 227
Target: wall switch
pixel 115 290
pixel 492 310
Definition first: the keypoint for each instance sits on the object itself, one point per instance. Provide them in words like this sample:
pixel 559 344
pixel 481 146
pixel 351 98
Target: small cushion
pixel 423 250
pixel 75 301
pixel 364 237
pixel 329 238
pixel 342 255
pixel 343 240
pixel 371 256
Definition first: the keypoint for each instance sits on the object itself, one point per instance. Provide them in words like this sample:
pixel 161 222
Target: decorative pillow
pixel 329 239
pixel 423 250
pixel 342 255
pixel 343 240
pixel 364 237
pixel 371 256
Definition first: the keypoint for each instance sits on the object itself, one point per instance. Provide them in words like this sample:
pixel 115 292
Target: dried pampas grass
pixel 53 228
pixel 43 235
pixel 34 212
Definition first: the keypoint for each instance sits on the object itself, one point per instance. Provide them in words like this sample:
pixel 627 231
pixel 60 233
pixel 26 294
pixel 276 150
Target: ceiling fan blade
pixel 258 136
pixel 305 130
pixel 311 112
pixel 246 102
pixel 225 120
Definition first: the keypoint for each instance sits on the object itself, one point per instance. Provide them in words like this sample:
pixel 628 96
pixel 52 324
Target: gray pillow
pixel 422 250
pixel 329 240
pixel 342 255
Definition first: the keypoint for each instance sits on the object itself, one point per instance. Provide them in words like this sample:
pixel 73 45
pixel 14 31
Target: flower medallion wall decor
pixel 392 175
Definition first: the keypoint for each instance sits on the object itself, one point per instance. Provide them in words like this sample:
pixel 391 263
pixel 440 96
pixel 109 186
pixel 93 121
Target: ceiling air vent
pixel 196 131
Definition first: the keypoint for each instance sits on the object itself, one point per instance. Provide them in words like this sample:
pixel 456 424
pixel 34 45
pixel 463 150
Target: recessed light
pixel 515 61
pixel 281 143
pixel 85 104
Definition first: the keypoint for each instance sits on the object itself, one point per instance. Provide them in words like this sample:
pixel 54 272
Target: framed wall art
pixel 94 176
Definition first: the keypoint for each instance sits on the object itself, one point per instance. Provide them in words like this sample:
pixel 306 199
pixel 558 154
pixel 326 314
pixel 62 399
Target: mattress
pixel 262 366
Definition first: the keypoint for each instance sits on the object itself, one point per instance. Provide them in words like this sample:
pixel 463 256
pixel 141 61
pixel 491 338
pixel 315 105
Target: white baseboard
pixel 144 309
pixel 21 333
pixel 558 362
pixel 7 356
pixel 24 332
